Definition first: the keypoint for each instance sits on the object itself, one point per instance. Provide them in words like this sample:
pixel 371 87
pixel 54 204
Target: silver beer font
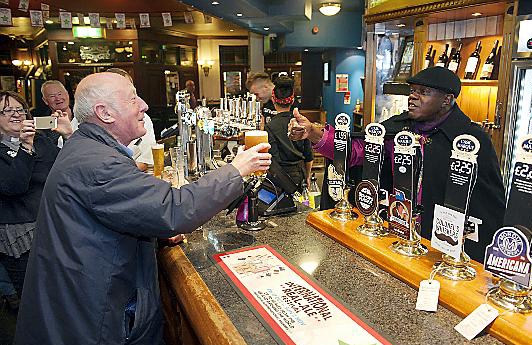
pixel 184 133
pixel 258 115
pixel 200 145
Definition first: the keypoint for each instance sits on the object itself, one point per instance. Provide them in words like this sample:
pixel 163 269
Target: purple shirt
pixel 326 145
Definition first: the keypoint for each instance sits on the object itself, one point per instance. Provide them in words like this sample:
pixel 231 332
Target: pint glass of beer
pixel 158 159
pixel 253 138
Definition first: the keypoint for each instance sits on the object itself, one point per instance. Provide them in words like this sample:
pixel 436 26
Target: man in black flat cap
pixel 434 114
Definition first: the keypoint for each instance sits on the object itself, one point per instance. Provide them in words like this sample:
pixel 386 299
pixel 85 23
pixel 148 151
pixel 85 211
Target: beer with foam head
pixel 158 159
pixel 253 138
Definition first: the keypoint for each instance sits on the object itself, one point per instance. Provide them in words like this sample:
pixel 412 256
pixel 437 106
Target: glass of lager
pixel 158 159
pixel 253 138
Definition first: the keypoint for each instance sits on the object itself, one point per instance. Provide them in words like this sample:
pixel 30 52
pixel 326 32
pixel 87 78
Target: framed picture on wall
pixel 342 82
pixel 326 72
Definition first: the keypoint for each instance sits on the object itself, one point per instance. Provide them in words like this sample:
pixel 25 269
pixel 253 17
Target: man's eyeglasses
pixel 11 112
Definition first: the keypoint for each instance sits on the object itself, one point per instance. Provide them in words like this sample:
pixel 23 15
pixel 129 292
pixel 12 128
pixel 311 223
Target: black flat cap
pixel 439 78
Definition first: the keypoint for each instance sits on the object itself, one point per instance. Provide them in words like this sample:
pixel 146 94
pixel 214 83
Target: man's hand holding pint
pixel 251 160
pixel 300 128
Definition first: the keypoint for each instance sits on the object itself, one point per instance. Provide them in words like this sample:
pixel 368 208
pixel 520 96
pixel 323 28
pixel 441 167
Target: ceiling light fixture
pixel 215 3
pixel 49 21
pixel 239 14
pixel 476 14
pixel 330 8
pixel 231 30
pixel 306 49
pixel 401 25
pixel 266 28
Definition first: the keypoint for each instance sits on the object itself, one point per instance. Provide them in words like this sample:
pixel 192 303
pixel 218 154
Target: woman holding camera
pixel 25 161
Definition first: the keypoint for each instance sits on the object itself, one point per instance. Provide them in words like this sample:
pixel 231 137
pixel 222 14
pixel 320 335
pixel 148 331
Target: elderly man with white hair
pixel 92 272
pixel 56 97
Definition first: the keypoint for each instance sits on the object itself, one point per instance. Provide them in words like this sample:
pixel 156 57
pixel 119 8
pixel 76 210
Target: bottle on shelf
pixel 428 58
pixel 443 59
pixel 314 192
pixel 472 62
pixel 489 64
pixel 456 58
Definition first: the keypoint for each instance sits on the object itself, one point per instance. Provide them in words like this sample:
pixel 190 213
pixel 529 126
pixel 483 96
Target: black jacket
pixel 268 110
pixel 289 154
pixel 94 249
pixel 22 179
pixel 487 201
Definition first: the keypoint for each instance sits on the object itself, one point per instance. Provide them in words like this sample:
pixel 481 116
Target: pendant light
pixel 330 8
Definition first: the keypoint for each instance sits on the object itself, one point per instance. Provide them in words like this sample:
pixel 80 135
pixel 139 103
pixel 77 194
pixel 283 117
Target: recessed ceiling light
pixel 239 14
pixel 400 25
pixel 266 28
pixel 306 49
pixel 215 3
pixel 476 14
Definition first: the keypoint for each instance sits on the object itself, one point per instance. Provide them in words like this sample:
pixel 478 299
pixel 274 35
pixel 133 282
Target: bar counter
pixel 218 315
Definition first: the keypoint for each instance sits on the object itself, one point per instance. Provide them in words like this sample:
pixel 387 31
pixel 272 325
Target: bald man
pixel 92 271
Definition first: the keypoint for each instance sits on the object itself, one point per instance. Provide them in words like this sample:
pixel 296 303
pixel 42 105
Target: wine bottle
pixel 455 60
pixel 472 62
pixel 489 64
pixel 442 60
pixel 428 58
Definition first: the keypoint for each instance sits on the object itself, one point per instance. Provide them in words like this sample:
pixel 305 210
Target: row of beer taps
pixel 198 127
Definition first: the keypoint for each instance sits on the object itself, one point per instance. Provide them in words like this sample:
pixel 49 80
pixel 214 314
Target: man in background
pixel 92 272
pixel 262 86
pixel 190 86
pixel 55 96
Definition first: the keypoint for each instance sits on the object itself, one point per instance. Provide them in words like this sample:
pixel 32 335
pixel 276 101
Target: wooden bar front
pixel 461 297
pixel 207 318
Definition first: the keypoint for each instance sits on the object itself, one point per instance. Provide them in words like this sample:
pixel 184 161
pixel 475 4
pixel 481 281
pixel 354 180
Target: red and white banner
pixel 295 308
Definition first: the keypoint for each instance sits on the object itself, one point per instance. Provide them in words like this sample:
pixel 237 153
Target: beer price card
pixel 404 167
pixel 292 306
pixel 404 164
pixel 336 171
pixel 462 172
pixel 373 151
pixel 520 197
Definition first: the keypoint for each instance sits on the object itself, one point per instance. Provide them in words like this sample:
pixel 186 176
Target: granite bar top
pixel 383 301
